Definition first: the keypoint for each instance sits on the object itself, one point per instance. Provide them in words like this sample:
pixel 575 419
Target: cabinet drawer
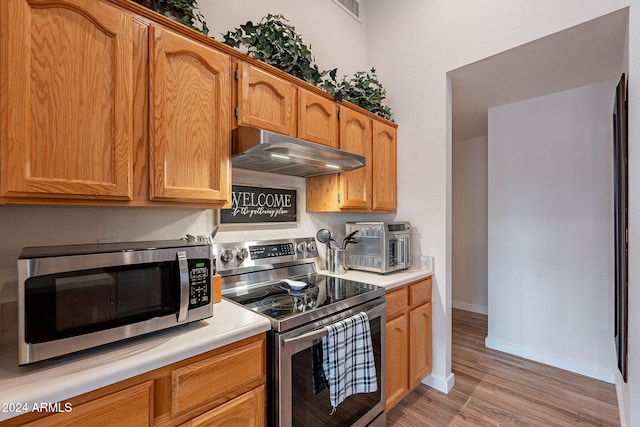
pixel 245 410
pixel 217 376
pixel 420 292
pixel 397 300
pixel 131 407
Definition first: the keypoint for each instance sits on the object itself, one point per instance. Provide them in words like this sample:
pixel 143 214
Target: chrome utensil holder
pixel 336 260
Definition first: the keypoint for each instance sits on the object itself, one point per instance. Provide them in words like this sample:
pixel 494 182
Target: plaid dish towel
pixel 348 360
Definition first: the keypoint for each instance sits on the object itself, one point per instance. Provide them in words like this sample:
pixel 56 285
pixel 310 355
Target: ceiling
pixel 587 53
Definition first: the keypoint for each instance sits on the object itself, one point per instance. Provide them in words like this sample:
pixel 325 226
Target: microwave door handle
pixel 183 268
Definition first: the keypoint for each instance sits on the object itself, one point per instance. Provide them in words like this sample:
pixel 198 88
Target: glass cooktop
pixel 287 307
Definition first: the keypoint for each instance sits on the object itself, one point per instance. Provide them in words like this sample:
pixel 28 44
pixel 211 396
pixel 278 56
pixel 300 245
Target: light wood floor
pixel 497 389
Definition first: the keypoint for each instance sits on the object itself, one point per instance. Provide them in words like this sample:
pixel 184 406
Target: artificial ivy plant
pixel 275 41
pixel 184 11
pixel 364 90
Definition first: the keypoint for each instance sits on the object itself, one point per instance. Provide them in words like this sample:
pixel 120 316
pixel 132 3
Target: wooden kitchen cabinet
pixel 66 105
pixel 132 406
pixel 408 338
pixel 372 188
pixel 420 339
pixel 384 167
pixel 355 137
pixel 317 118
pixel 265 100
pixel 108 103
pixel 190 136
pixel 247 410
pixel 223 387
pixel 397 361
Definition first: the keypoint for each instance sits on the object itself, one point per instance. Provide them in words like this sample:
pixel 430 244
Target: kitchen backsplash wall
pixel 22 226
pixel 8 299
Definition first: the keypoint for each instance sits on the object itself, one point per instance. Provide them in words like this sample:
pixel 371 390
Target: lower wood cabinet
pixel 132 406
pixel 408 338
pixel 223 387
pixel 247 410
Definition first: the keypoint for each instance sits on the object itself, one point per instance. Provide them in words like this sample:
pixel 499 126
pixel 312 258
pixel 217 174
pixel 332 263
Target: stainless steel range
pixel 278 279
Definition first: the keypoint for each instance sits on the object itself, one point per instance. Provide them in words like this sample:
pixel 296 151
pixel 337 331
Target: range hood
pixel 265 151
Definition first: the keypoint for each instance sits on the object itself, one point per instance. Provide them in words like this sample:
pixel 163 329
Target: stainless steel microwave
pixel 382 246
pixel 72 298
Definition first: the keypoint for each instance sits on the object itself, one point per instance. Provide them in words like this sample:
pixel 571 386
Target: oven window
pixel 71 304
pixel 311 409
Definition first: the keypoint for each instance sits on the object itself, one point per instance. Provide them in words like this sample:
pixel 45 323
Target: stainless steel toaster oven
pixel 382 246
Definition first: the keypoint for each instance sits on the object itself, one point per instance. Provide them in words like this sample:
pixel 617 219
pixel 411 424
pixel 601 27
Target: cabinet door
pixel 419 343
pixel 129 407
pixel 265 101
pixel 66 104
pixel 384 163
pixel 317 118
pixel 397 362
pixel 247 410
pixel 190 95
pixel 355 137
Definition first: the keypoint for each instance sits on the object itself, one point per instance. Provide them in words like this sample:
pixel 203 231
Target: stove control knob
pixel 302 247
pixel 311 247
pixel 242 254
pixel 226 256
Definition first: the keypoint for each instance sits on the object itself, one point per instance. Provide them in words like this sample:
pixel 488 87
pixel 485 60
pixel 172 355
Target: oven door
pixel 294 401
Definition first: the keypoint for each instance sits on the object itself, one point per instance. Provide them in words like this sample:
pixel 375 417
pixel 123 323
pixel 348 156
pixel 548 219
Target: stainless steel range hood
pixel 265 151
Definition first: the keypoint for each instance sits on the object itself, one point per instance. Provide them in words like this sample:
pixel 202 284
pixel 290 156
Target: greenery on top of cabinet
pixel 276 42
pixel 183 11
pixel 364 90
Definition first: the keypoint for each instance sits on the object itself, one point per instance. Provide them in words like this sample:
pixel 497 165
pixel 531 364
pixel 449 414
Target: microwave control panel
pixel 199 282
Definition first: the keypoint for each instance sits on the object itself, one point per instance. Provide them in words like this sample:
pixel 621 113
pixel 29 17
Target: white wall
pixel 469 223
pixel 551 229
pixel 335 37
pixel 414 44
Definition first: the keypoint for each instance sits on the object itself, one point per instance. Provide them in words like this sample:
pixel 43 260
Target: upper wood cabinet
pixel 190 135
pixel 317 118
pixel 269 102
pixel 264 100
pixel 355 137
pixel 384 164
pixel 368 189
pixel 66 105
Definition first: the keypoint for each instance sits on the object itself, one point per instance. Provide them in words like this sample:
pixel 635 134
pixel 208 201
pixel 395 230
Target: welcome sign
pixel 252 204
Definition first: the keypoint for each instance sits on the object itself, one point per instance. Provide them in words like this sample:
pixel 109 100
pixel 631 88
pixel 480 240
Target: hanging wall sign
pixel 252 205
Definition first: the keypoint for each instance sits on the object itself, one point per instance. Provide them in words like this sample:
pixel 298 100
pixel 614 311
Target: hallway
pixel 496 389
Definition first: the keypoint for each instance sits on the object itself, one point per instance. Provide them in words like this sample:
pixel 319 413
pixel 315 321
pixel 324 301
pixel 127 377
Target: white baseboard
pixel 470 307
pixel 439 383
pixel 549 359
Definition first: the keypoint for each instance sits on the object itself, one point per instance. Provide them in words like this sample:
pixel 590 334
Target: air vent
pixel 352 7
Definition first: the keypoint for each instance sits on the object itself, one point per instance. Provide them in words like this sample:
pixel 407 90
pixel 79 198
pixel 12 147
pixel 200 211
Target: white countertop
pixel 55 380
pixel 423 268
pixel 59 379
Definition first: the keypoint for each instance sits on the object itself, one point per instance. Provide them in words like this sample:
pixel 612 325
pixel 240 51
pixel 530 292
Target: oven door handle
pixel 183 268
pixel 322 332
